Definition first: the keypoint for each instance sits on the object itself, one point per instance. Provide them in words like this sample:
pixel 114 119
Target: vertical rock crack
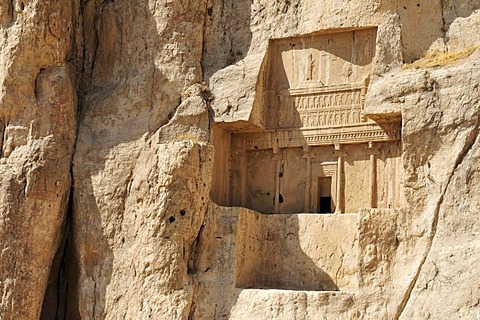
pixel 470 142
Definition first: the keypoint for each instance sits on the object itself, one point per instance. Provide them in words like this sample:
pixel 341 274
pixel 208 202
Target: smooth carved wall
pixel 261 174
pixel 297 252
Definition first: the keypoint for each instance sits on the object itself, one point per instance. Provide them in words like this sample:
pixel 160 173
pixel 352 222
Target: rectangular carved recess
pixel 297 252
pixel 318 154
pixel 314 98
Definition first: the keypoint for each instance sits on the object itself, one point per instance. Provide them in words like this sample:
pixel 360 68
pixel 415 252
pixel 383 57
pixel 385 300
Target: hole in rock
pixel 171 219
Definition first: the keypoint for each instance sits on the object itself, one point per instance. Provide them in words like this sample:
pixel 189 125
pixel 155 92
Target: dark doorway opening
pixel 325 203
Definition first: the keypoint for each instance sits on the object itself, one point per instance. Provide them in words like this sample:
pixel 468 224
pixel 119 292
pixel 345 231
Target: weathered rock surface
pixel 37 135
pixel 142 166
pixel 402 254
pixel 132 110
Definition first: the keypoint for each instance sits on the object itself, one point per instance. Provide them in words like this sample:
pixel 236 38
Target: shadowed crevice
pixel 58 300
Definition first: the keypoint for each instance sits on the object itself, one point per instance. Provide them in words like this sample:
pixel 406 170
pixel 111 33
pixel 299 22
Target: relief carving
pixel 322 109
pixel 310 67
pixel 319 81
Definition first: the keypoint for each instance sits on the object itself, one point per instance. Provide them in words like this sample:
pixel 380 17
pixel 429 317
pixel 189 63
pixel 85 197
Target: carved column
pixel 277 157
pixel 308 156
pixel 340 205
pixel 238 177
pixel 372 151
pixel 244 175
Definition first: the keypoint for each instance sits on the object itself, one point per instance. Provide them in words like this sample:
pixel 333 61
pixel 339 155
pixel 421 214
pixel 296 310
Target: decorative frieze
pixel 321 136
pixel 340 106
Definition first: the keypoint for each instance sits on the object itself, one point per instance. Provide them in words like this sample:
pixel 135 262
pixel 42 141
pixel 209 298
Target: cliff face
pixel 38 131
pixel 131 135
pixel 138 185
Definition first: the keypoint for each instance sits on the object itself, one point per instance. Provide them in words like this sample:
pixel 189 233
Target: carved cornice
pixel 314 88
pixel 322 136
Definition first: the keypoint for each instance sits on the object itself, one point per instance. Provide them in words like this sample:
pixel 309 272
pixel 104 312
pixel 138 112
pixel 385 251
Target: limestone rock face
pixel 37 135
pixel 450 146
pixel 402 254
pixel 142 165
pixel 249 159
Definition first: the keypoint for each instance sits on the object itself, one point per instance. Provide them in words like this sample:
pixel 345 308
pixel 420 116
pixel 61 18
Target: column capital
pixel 339 151
pixel 275 143
pixel 372 148
pixel 308 155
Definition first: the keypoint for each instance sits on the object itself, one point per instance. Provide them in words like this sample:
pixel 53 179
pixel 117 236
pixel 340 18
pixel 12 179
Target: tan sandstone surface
pixel 248 159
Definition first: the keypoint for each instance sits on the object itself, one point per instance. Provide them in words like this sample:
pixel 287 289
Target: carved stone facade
pixel 320 80
pixel 318 152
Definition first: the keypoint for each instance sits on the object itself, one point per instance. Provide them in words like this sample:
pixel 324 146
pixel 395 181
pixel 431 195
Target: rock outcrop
pixel 210 159
pixel 37 135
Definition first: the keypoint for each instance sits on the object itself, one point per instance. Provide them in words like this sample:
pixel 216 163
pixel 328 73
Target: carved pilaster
pixel 373 152
pixel 340 153
pixel 278 161
pixel 244 174
pixel 278 165
pixel 308 156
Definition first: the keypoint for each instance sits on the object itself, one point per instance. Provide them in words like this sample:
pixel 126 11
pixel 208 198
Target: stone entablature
pixel 369 132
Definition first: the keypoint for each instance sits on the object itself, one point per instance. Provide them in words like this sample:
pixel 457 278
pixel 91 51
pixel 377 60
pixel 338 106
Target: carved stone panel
pixel 319 81
pixel 320 109
pixel 318 153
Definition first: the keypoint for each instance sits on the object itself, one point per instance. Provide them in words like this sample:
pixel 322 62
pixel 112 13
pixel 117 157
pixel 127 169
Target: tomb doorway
pixel 325 199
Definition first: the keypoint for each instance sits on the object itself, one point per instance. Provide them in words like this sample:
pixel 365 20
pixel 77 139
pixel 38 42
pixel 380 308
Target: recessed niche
pixel 313 165
pixel 297 252
pixel 318 153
